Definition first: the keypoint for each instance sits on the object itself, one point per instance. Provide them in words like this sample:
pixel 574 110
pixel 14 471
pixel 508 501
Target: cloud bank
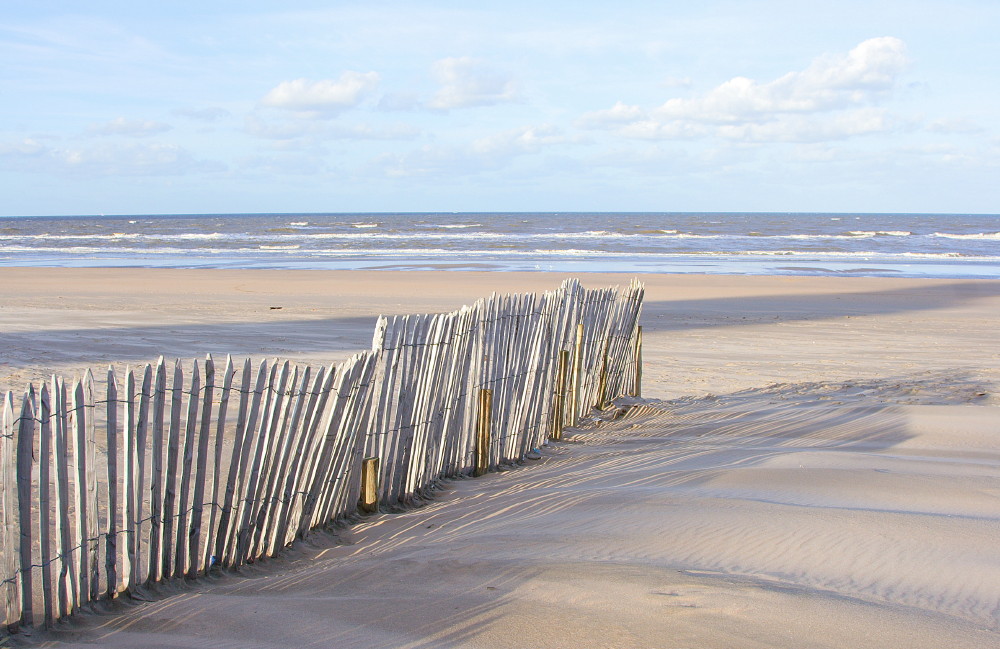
pixel 832 98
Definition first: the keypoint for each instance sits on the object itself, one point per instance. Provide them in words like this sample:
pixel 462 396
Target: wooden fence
pixel 172 473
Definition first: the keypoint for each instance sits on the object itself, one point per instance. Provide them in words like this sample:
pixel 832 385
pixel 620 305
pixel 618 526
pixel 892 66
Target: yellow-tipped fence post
pixel 369 485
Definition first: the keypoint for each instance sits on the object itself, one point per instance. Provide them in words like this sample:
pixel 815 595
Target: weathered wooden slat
pixel 66 575
pixel 263 471
pixel 10 559
pixel 495 352
pixel 558 409
pixel 114 488
pixel 452 385
pixel 141 433
pixel 340 434
pixel 425 411
pixel 349 473
pixel 182 557
pixel 344 478
pixel 92 531
pixel 239 500
pixel 451 389
pixel 299 459
pixel 525 363
pixel 334 481
pixel 467 377
pixel 25 452
pixel 78 442
pixel 399 353
pixel 382 395
pixel 637 382
pixel 483 433
pixel 45 491
pixel 432 388
pixel 279 494
pixel 283 434
pixel 481 379
pixel 409 397
pixel 409 442
pixel 230 504
pixel 506 379
pixel 513 399
pixel 197 560
pixel 216 474
pixel 128 475
pixel 465 434
pixel 170 478
pixel 375 415
pixel 156 449
pixel 253 478
pixel 320 468
pixel 577 376
pixel 539 388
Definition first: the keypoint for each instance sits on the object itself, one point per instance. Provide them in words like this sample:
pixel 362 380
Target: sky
pixel 231 107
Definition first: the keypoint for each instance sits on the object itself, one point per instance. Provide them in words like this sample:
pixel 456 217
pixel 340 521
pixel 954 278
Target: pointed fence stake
pixel 577 376
pixel 559 405
pixel 637 389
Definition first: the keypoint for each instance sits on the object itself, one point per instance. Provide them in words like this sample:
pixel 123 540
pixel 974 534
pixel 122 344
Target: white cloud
pixel 283 130
pixel 370 132
pixel 130 127
pixel 651 129
pixel 802 128
pixel 617 115
pixel 517 141
pixel 677 82
pixel 21 148
pixel 210 114
pixel 284 164
pixel 132 159
pixel 399 101
pixel 830 83
pixel 306 133
pixel 830 99
pixel 484 154
pixel 469 82
pixel 445 162
pixel 326 96
pixel 954 126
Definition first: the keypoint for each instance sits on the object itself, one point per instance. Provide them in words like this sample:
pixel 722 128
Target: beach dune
pixel 816 463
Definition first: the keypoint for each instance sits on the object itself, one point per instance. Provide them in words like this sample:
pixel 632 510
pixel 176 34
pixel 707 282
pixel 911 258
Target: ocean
pixel 901 245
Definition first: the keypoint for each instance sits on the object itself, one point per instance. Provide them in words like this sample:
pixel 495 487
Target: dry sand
pixel 818 466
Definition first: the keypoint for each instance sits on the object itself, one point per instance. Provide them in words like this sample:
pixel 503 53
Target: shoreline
pixel 934 266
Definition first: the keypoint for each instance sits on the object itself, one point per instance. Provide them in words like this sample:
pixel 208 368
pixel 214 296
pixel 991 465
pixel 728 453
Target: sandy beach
pixel 816 463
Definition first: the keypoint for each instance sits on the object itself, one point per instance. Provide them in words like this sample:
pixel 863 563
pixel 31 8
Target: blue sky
pixel 183 107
